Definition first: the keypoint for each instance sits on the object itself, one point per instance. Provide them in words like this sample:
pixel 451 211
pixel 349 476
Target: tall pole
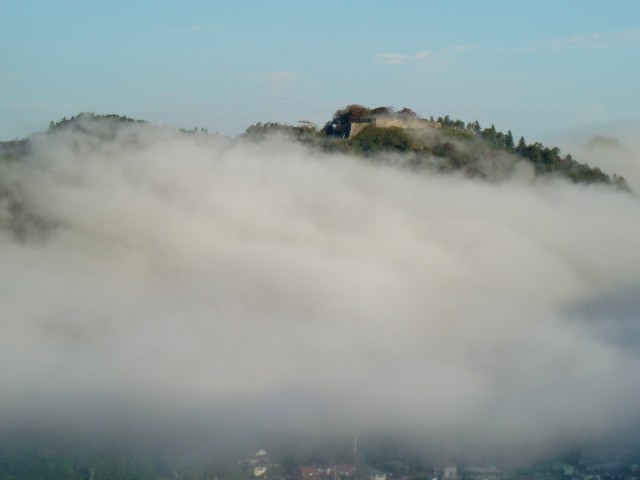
pixel 355 452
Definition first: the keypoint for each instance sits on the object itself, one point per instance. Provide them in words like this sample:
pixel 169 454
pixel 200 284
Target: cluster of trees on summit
pixel 455 146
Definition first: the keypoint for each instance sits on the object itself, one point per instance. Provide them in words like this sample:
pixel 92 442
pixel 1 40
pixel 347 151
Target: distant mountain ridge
pixel 441 145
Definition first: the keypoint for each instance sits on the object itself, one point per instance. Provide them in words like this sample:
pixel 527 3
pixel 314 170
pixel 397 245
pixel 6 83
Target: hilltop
pixel 442 145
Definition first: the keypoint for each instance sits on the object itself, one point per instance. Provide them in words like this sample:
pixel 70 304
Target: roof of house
pixel 308 470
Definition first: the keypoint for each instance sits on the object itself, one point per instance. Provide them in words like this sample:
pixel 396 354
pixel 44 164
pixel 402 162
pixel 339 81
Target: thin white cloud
pixel 458 48
pixel 181 29
pixel 421 56
pixel 186 29
pixel 401 58
pixel 282 76
pixel 8 77
pixel 278 79
pixel 590 41
pixel 392 58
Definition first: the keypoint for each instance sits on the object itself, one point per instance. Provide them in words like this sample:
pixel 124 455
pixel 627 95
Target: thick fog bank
pixel 162 280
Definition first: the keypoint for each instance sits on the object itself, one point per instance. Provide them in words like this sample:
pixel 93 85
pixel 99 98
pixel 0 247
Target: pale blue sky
pixel 539 68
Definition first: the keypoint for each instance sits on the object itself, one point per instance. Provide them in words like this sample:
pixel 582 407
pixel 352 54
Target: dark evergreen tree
pixel 508 140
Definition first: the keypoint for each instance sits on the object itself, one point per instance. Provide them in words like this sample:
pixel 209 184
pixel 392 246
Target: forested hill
pixel 441 145
pixel 102 127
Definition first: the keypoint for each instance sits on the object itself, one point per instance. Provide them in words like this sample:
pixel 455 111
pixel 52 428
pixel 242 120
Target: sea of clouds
pixel 166 279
